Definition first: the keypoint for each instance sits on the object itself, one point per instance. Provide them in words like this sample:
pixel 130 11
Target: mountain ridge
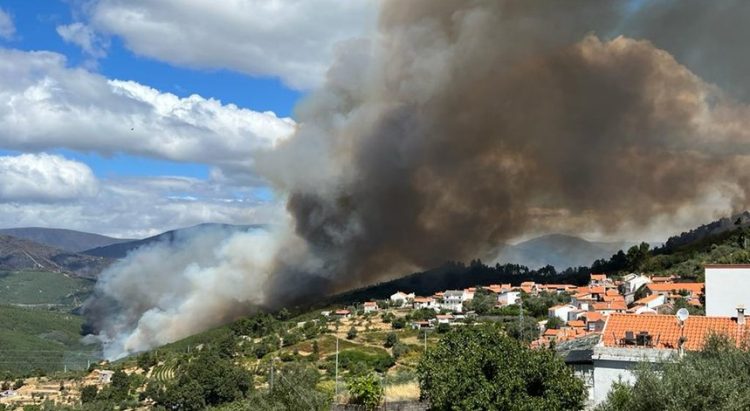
pixel 68 240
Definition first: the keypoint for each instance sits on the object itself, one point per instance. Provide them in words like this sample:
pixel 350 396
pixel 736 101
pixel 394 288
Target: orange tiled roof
pixel 666 329
pixel 598 277
pixel 615 305
pixel 676 287
pixel 422 299
pixel 371 304
pixel 551 332
pixel 658 279
pixel 576 323
pixel 612 291
pixel 613 298
pixel 527 284
pixel 593 316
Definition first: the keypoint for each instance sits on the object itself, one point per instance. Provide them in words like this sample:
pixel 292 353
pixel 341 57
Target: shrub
pixel 366 391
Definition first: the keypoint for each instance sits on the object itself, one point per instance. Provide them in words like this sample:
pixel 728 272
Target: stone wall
pixel 390 406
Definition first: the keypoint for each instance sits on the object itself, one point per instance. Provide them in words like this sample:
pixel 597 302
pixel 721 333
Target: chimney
pixel 740 315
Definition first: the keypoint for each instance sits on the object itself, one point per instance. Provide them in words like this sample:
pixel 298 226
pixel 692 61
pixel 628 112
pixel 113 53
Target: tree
pixel 714 379
pixel 18 384
pixel 146 361
pixel 365 390
pixel 496 373
pixel 88 393
pixel 294 388
pixel 398 323
pixel 390 340
pixel 554 322
pixel 352 334
pixel 525 330
pixel 483 302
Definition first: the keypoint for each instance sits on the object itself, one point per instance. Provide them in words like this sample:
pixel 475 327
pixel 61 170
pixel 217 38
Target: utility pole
pixel 271 380
pixel 425 341
pixel 336 389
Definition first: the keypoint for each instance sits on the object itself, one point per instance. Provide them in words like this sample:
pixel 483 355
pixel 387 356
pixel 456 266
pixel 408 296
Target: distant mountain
pixel 68 240
pixel 558 250
pixel 23 255
pixel 121 250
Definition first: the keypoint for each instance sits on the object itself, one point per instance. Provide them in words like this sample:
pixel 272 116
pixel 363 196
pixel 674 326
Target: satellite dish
pixel 683 314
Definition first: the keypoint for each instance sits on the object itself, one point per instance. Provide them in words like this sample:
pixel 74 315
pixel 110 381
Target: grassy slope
pixel 38 288
pixel 40 339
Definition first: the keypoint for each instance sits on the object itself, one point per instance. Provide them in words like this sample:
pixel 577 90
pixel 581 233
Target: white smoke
pixel 167 291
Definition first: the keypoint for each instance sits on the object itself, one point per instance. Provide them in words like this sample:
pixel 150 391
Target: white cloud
pixel 292 40
pixel 45 105
pixel 44 178
pixel 51 191
pixel 7 29
pixel 84 37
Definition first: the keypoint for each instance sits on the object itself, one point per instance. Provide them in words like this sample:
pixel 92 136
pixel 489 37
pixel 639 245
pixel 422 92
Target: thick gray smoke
pixel 460 125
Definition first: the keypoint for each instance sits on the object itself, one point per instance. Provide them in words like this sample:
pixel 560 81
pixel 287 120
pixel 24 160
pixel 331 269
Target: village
pixel 605 328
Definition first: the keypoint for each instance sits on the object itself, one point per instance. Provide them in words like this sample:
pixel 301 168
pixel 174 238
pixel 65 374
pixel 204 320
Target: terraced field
pixel 164 372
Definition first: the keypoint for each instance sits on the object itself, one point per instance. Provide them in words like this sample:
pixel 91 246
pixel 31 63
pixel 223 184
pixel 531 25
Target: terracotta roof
pixel 593 316
pixel 615 305
pixel 342 312
pixel 527 284
pixel 666 329
pixel 676 287
pixel 371 304
pixel 423 299
pixel 551 332
pixel 612 291
pixel 658 279
pixel 576 323
pixel 598 277
pixel 613 298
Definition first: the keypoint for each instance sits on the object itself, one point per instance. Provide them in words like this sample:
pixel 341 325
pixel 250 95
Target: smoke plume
pixel 460 125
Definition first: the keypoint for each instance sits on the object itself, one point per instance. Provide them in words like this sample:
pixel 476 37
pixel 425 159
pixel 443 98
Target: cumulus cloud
pixel 47 104
pixel 84 37
pixel 292 40
pixel 7 28
pixel 44 178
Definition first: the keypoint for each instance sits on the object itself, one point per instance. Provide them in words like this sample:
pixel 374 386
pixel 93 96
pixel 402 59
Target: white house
pixel 561 311
pixel 426 302
pixel 629 339
pixel 453 301
pixel 726 288
pixel 370 307
pixel 509 298
pixel 631 283
pixel 652 301
pixel 400 298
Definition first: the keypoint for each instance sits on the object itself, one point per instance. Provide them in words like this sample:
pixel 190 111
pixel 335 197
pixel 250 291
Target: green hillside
pixel 686 260
pixel 31 288
pixel 40 340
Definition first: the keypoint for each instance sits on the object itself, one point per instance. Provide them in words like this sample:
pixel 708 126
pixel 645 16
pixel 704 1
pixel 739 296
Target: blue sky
pixel 131 117
pixel 36 23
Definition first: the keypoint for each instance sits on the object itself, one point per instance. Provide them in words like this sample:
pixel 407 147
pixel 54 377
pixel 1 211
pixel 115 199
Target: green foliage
pixel 422 314
pixel 18 384
pixel 483 302
pixel 390 340
pixel 538 306
pixel 366 391
pixel 147 360
pixel 443 328
pixel 693 310
pixel 554 322
pixel 88 393
pixel 294 388
pixel 207 379
pixel 41 340
pixel 398 323
pixel 375 359
pixel 32 287
pixel 526 330
pixel 714 379
pixel 479 368
pixel 352 333
pixel 258 325
pixel 399 350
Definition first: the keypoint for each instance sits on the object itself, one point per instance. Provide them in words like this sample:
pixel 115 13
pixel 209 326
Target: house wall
pixel 606 373
pixel 726 288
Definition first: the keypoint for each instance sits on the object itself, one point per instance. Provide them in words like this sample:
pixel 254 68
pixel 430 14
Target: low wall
pixel 391 406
